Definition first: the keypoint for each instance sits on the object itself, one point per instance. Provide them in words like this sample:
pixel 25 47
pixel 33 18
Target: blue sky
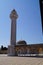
pixel 28 22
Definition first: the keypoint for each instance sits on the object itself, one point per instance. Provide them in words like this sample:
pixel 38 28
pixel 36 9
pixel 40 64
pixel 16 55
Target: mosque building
pixel 21 47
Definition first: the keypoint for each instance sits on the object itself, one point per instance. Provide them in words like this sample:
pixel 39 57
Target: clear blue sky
pixel 28 22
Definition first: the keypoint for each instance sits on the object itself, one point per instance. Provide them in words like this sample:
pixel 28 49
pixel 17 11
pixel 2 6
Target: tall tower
pixel 11 48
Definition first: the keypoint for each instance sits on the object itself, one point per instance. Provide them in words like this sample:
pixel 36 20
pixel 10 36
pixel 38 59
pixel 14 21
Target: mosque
pixel 21 47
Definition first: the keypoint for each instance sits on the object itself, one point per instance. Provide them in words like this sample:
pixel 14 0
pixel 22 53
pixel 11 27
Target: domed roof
pixel 21 42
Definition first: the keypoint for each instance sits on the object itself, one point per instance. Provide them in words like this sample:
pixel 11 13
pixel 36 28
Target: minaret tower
pixel 11 48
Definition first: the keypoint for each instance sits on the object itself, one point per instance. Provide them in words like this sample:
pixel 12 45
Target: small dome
pixel 21 42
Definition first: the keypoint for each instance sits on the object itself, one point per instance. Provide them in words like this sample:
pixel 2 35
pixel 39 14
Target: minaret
pixel 11 48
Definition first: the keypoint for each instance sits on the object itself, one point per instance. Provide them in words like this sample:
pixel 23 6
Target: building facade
pixel 23 48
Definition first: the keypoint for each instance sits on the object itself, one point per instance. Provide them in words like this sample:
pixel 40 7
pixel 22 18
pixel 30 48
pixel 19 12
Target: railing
pixel 30 55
